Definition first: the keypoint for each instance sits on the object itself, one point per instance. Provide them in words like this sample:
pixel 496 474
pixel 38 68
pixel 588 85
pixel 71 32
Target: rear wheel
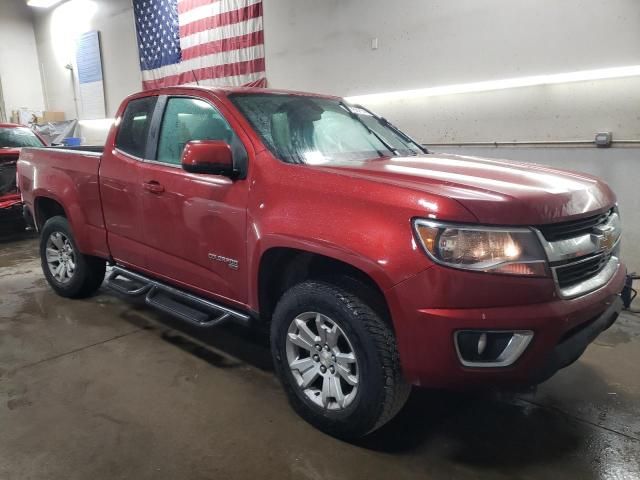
pixel 69 272
pixel 337 360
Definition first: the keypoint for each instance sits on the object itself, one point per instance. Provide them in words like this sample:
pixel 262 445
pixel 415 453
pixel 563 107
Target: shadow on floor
pixel 478 430
pixel 10 235
pixel 483 430
pixel 249 345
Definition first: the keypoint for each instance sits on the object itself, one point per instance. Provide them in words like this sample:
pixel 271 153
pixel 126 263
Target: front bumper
pixel 563 328
pixel 573 346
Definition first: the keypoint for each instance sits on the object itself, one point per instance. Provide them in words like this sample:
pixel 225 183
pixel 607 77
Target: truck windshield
pixel 17 137
pixel 317 131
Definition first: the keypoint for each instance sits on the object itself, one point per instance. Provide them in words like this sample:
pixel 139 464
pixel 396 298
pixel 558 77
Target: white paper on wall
pixel 91 85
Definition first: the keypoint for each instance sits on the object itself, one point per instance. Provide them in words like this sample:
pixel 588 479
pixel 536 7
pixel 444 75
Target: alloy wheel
pixel 61 258
pixel 322 361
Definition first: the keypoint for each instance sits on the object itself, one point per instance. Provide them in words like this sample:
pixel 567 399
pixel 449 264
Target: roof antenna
pixel 194 76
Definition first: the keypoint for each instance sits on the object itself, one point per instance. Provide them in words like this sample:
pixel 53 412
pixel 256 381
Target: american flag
pixel 206 42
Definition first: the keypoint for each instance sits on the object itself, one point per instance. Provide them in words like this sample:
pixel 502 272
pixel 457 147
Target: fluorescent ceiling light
pixel 556 78
pixel 42 3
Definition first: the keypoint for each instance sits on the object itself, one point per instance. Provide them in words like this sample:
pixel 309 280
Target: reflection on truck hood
pixel 530 193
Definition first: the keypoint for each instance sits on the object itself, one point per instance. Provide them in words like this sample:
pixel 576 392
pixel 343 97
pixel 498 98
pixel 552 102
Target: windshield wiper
pixel 391 126
pixel 357 118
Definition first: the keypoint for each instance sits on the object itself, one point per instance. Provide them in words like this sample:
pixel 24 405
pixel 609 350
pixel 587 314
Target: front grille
pixel 580 271
pixel 574 228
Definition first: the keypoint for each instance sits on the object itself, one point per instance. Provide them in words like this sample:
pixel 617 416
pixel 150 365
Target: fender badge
pixel 232 263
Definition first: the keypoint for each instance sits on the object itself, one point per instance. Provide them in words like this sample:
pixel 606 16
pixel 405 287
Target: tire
pixel 381 390
pixel 87 273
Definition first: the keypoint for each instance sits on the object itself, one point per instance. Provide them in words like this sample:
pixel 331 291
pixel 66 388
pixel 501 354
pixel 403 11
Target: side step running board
pixel 180 304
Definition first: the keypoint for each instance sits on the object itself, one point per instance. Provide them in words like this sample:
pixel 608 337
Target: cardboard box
pixel 25 116
pixel 49 116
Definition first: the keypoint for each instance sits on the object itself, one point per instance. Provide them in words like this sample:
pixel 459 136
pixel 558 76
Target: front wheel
pixel 337 360
pixel 69 272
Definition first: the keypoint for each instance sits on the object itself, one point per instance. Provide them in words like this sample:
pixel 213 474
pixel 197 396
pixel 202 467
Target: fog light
pixel 478 348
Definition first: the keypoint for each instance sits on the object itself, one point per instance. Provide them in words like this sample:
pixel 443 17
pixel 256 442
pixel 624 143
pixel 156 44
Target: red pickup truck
pixel 13 137
pixel 376 264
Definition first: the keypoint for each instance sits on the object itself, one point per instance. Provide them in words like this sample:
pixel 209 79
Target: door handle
pixel 153 187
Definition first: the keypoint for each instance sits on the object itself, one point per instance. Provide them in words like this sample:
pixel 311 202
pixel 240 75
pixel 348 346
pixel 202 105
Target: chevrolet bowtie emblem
pixel 605 238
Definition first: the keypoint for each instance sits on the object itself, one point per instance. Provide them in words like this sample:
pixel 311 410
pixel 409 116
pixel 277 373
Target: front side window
pixel 187 119
pixel 18 137
pixel 312 130
pixel 134 127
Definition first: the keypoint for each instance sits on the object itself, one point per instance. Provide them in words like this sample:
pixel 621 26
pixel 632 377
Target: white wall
pixel 570 111
pixel 55 32
pixel 326 46
pixel 19 71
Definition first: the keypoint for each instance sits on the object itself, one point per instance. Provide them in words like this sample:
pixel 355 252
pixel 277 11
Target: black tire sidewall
pixel 359 417
pixel 74 287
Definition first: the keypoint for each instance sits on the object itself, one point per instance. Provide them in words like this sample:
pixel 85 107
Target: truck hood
pixel 494 191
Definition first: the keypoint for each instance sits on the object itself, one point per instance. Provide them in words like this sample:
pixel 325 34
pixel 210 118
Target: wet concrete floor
pixel 104 388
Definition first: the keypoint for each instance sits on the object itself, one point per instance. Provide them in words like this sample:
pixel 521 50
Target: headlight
pixel 513 251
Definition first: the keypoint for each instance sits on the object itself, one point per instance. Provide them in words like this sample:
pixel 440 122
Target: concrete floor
pixel 106 389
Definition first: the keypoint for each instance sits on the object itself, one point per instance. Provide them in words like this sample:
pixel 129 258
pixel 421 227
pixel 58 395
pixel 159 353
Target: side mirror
pixel 208 156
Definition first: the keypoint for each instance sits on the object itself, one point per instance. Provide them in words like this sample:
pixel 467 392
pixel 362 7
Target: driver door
pixel 192 221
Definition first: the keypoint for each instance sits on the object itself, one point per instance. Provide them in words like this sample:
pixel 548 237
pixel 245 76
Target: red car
pixel 376 264
pixel 12 138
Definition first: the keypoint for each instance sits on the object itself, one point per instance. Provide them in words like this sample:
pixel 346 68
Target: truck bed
pixel 66 176
pixel 81 148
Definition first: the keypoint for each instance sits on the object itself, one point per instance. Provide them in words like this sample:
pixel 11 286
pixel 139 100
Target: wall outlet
pixel 603 139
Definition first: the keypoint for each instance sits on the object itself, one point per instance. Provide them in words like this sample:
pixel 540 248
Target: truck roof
pixel 225 91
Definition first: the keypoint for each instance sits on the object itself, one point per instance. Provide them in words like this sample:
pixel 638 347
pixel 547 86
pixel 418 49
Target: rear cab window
pixel 134 128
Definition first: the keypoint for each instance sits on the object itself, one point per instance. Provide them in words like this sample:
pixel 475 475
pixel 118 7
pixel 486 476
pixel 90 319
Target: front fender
pixel 364 224
pixel 374 269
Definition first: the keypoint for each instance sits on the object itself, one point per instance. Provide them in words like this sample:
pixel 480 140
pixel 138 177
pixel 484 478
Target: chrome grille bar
pixel 587 261
pixel 585 244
